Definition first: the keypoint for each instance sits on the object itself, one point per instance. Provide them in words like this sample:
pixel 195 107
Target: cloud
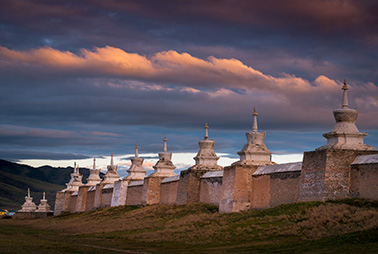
pixel 39 155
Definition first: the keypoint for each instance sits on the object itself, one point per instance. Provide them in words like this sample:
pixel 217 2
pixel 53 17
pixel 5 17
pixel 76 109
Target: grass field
pixel 345 226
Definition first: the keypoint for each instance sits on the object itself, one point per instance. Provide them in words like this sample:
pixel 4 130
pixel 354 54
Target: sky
pixel 80 79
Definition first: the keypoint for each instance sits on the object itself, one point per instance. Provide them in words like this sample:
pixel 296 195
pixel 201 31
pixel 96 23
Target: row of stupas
pixel 254 152
pixel 344 135
pixel 254 181
pixel 30 206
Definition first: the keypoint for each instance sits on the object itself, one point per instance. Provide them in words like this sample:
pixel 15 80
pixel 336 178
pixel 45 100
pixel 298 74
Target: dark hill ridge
pixel 16 178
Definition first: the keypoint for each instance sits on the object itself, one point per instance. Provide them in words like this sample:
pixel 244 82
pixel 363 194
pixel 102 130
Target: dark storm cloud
pixel 70 69
pixel 39 155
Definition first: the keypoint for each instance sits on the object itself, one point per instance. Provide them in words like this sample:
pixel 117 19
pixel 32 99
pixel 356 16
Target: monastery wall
pixel 81 201
pixel 210 187
pixel 72 203
pixel 90 198
pixel 344 167
pixel 364 177
pixel 107 194
pixel 59 203
pixel 168 191
pixel 134 193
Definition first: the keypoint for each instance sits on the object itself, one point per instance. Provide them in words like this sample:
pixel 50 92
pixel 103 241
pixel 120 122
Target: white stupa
pixel 29 205
pixel 136 170
pixel 94 177
pixel 75 181
pixel 255 151
pixel 111 176
pixel 43 206
pixel 345 134
pixel 206 158
pixel 164 167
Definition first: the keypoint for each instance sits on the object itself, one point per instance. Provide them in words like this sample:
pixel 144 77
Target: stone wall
pixel 261 193
pixel 107 193
pixel 59 203
pixel 364 177
pixel 274 185
pixel 284 188
pixel 81 201
pixel 151 190
pixel 326 174
pixel 73 199
pixel 236 193
pixel 119 193
pixel 169 188
pixel 210 189
pixel 90 198
pixel 134 193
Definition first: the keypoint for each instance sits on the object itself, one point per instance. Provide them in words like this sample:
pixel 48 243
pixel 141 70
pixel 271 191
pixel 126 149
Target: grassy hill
pixel 16 178
pixel 344 226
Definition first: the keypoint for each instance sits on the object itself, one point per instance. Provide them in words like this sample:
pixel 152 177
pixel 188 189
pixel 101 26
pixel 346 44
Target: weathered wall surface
pixel 284 188
pixel 326 174
pixel 72 206
pixel 67 201
pixel 98 195
pixel 90 200
pixel 210 190
pixel 134 195
pixel 261 191
pixel 107 194
pixel 81 201
pixel 364 181
pixel 59 203
pixel 151 190
pixel 119 193
pixel 236 191
pixel 189 186
pixel 168 193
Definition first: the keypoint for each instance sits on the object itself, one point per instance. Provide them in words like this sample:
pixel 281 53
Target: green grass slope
pixel 344 226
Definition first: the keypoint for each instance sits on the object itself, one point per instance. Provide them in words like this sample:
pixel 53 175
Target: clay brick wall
pixel 284 188
pixel 72 206
pixel 236 191
pixel 67 201
pixel 364 181
pixel 90 200
pixel 151 190
pixel 168 192
pixel 81 201
pixel 189 186
pixel 326 174
pixel 59 203
pixel 261 191
pixel 134 195
pixel 210 190
pixel 106 198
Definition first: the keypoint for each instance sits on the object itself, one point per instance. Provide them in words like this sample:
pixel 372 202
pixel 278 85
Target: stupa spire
pixel 75 167
pixel 44 195
pixel 28 192
pixel 165 144
pixel 254 126
pixel 94 177
pixel 111 160
pixel 345 95
pixel 136 170
pixel 345 134
pixel 206 132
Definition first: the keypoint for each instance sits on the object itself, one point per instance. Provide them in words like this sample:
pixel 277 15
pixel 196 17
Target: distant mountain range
pixel 16 178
